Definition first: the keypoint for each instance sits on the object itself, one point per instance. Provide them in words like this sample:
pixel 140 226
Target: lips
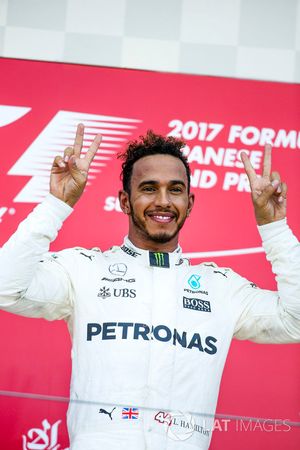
pixel 161 217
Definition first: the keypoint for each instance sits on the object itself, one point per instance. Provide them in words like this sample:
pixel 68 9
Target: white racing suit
pixel 150 333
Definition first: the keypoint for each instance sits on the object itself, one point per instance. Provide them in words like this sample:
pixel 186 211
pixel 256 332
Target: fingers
pixel 267 161
pixel 276 189
pixel 283 192
pixel 266 194
pixel 275 176
pixel 68 153
pixel 248 168
pixel 281 188
pixel 276 182
pixel 78 140
pixel 72 155
pixel 89 156
pixel 59 162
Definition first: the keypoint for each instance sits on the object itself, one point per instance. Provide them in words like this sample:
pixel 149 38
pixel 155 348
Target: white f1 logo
pixel 37 159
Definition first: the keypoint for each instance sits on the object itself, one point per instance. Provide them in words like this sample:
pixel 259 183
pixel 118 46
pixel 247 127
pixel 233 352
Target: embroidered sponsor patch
pixel 130 251
pixel 194 281
pixel 118 269
pixel 196 304
pixel 159 259
pixel 130 413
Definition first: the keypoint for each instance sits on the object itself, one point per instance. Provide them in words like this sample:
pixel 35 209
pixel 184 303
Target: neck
pixel 153 246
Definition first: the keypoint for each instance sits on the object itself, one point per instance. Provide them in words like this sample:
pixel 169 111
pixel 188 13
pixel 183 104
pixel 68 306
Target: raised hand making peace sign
pixel 268 192
pixel 69 173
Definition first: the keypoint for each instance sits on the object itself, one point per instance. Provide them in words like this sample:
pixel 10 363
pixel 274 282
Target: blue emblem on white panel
pixel 194 282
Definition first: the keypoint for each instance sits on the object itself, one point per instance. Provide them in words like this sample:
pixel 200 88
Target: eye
pixel 148 189
pixel 176 189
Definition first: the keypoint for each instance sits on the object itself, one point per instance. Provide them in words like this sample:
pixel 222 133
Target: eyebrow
pixel 154 182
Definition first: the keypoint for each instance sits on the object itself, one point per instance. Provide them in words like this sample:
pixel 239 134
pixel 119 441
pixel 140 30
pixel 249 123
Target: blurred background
pixel 254 39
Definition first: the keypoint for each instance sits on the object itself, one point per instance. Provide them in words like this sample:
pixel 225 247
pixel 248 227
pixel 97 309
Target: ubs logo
pixel 125 293
pixel 105 292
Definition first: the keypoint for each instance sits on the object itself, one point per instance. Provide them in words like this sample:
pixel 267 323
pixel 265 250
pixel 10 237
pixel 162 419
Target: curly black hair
pixel 150 144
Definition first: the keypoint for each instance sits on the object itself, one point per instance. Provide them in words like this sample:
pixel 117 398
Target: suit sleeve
pixel 265 316
pixel 32 282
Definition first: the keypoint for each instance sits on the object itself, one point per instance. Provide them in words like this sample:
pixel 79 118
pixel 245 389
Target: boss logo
pixel 129 251
pixel 196 304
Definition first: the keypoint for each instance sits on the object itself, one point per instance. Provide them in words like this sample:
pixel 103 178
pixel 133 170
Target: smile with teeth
pixel 161 218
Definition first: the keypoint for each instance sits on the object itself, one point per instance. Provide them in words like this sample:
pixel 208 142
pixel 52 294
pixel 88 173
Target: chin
pixel 162 238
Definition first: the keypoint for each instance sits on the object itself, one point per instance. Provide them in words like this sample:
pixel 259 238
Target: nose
pixel 162 198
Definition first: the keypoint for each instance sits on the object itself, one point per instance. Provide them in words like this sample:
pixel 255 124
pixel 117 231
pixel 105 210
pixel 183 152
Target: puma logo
pixel 224 274
pixel 103 411
pixel 87 256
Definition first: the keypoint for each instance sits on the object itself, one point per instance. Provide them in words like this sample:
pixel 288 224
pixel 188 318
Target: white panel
pixel 150 54
pixel 9 114
pixel 210 21
pixel 268 23
pixel 297 68
pixel 208 59
pixel 33 44
pixel 93 49
pixel 153 19
pixel 266 64
pixel 38 14
pixel 96 17
pixel 3 12
pixel 298 26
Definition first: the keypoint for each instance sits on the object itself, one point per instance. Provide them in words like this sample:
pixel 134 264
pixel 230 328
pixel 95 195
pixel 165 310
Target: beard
pixel 159 237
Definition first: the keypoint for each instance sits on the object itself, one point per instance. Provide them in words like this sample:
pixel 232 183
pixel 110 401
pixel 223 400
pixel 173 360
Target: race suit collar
pixel 155 259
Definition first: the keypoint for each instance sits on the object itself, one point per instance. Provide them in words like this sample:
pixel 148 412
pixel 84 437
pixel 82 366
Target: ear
pixel 191 203
pixel 124 202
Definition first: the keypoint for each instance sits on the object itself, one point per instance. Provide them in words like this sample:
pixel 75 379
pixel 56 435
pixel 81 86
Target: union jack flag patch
pixel 130 413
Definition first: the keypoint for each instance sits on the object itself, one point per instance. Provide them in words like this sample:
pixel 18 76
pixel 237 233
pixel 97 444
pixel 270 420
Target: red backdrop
pixel 40 105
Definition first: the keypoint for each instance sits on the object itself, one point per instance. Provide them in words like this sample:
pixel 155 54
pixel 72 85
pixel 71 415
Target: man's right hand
pixel 69 173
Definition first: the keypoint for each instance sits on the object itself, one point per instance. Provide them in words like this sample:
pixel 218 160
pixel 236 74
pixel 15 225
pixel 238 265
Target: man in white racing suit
pixel 150 333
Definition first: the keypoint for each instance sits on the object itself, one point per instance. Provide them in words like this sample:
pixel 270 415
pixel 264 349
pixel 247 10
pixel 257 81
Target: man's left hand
pixel 268 192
